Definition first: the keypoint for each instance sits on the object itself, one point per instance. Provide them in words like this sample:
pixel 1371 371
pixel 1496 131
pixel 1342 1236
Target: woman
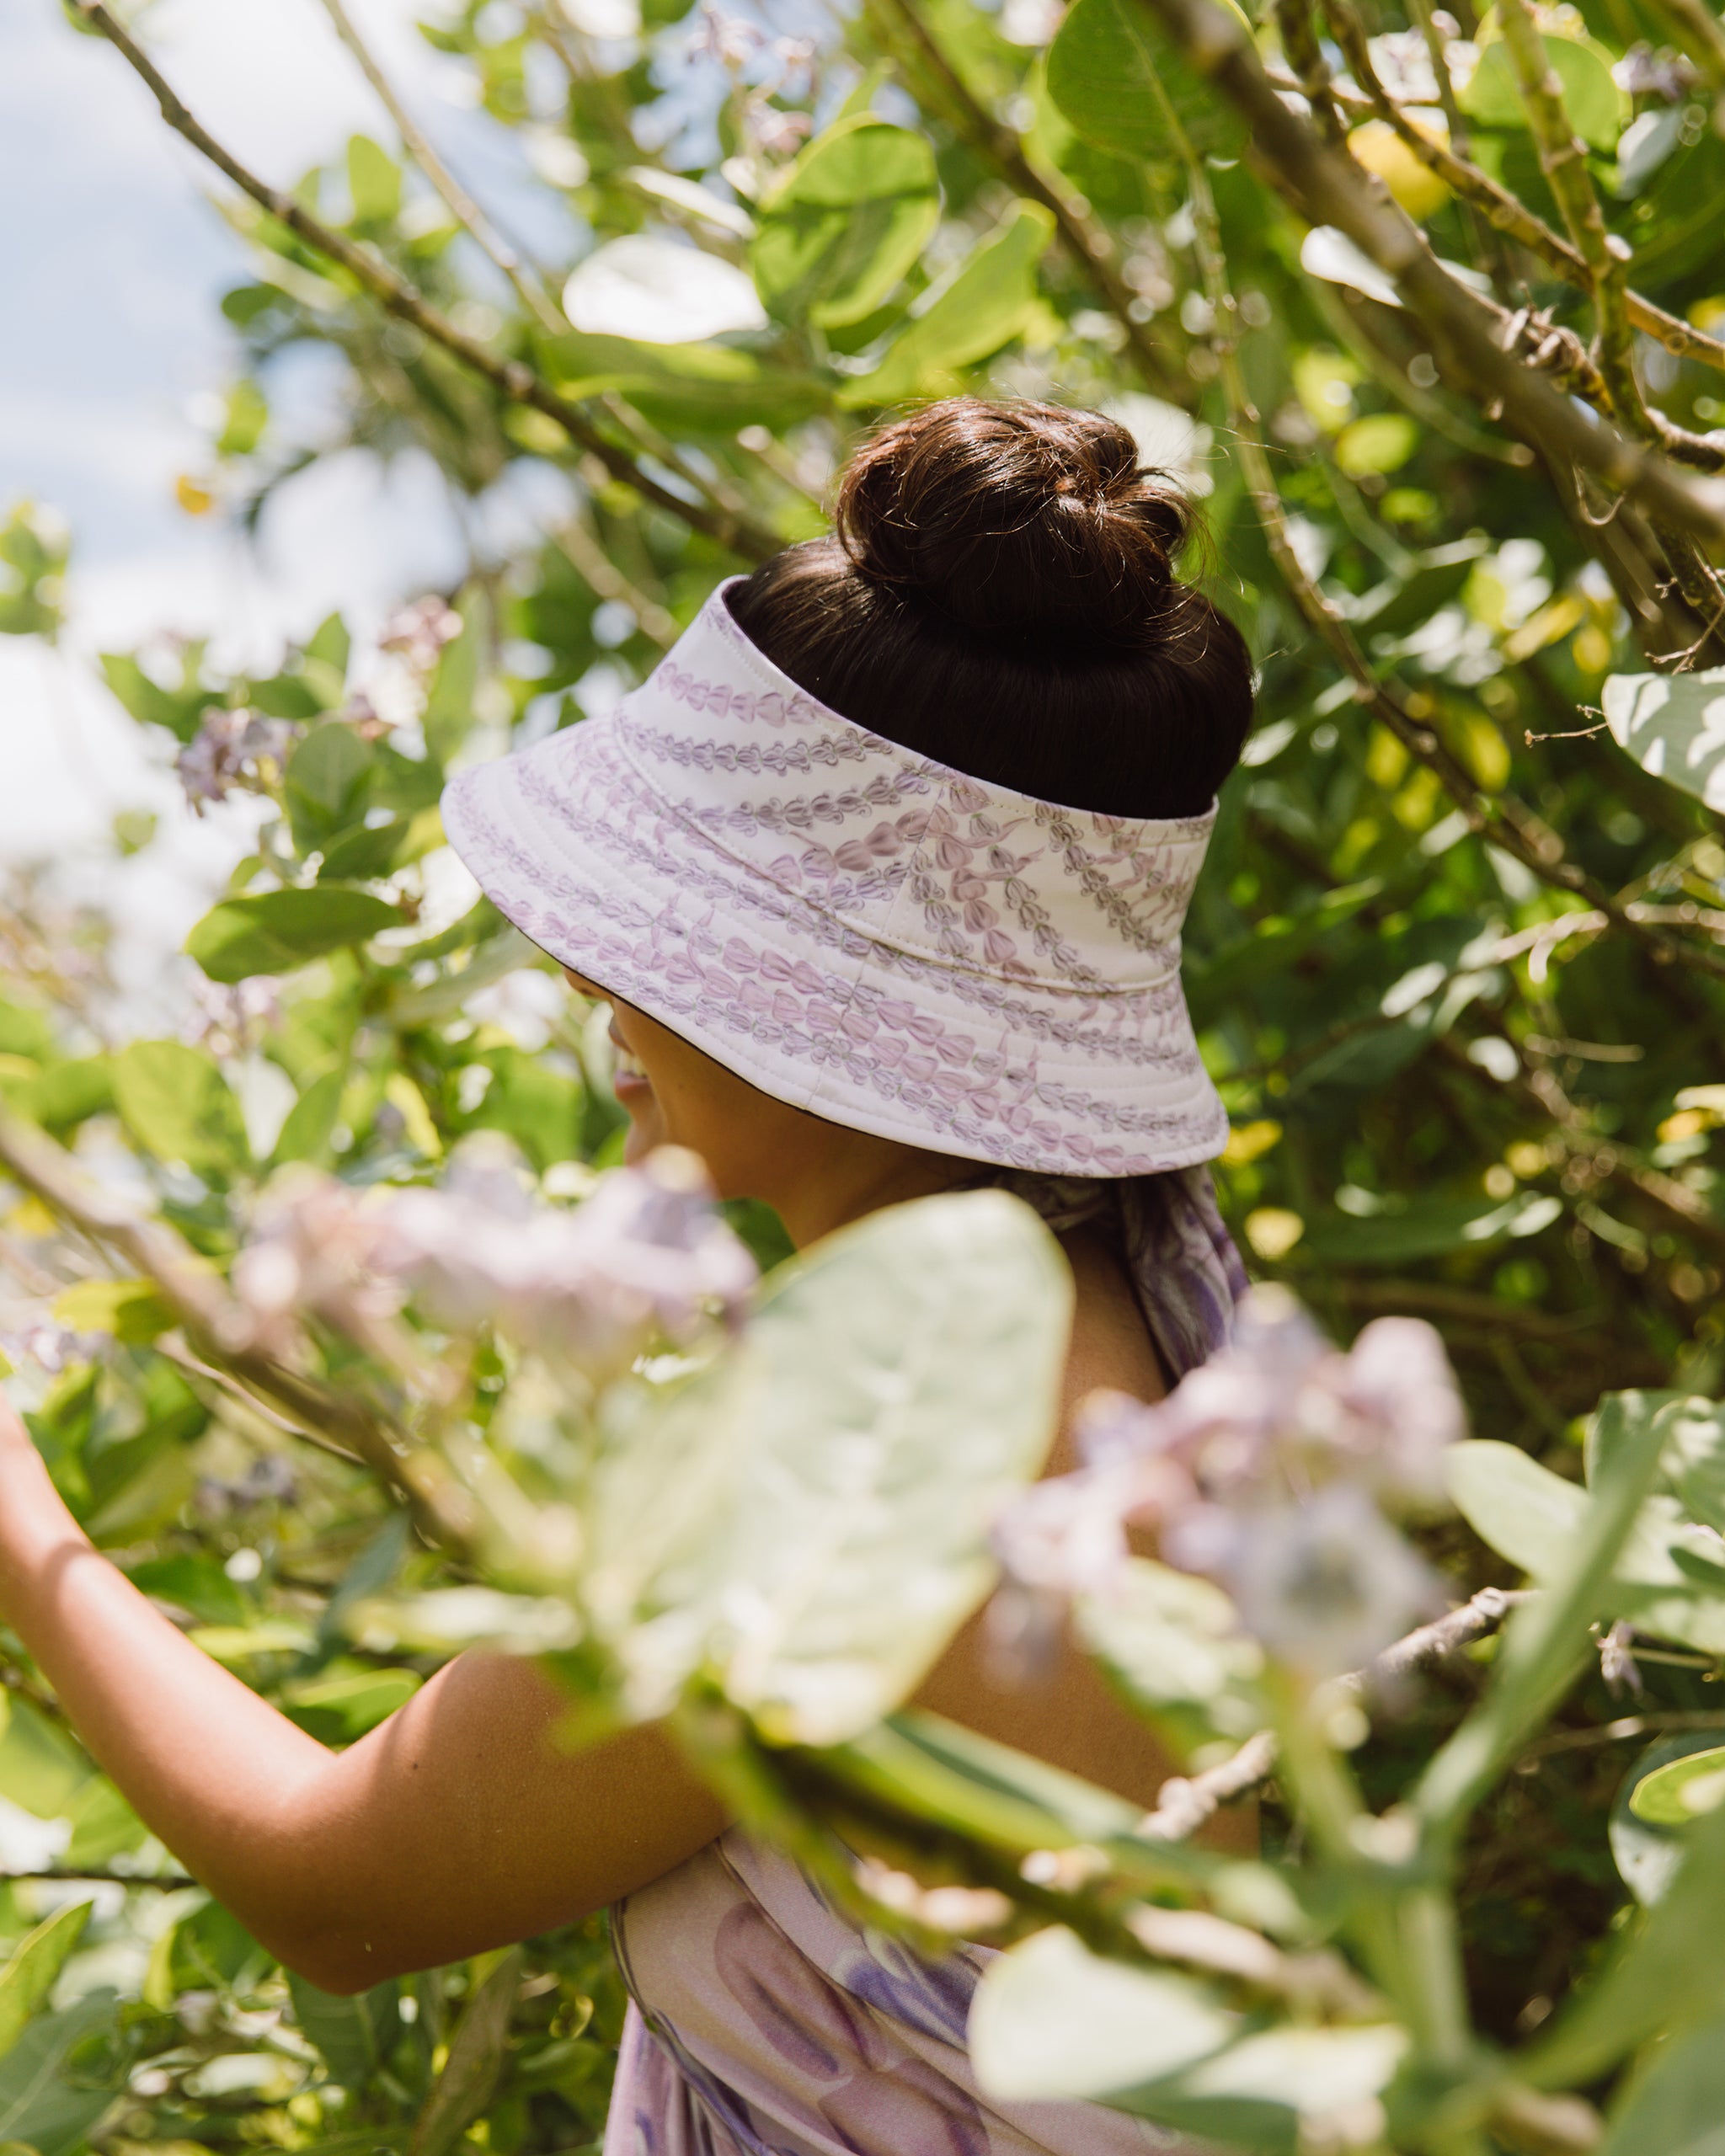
pixel 882 874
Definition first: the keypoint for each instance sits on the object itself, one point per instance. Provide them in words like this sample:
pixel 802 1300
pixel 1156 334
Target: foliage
pixel 1455 962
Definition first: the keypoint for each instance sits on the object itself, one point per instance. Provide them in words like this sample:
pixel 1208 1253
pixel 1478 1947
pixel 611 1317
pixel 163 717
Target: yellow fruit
pixel 1415 186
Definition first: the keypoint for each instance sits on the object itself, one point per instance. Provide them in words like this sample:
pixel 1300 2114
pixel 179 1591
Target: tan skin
pixel 457 1825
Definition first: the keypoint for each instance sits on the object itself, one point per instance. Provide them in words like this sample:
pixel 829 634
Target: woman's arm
pixel 454 1826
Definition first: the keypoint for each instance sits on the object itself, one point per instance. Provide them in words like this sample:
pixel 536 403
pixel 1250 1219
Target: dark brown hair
pixel 1000 595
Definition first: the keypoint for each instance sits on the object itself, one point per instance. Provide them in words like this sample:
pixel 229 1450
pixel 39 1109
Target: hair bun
pixel 1015 519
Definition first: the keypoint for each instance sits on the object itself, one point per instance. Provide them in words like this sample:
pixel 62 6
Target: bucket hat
pixel 854 928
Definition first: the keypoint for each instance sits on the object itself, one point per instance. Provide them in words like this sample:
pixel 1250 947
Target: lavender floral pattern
pixel 895 947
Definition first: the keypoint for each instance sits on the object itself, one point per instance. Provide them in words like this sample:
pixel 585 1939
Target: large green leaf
pixel 28 1977
pixel 1115 75
pixel 1596 105
pixel 1674 726
pixel 688 385
pixel 846 222
pixel 985 306
pixel 808 1517
pixel 174 1101
pixel 1676 2107
pixel 1052 2021
pixel 326 784
pixel 1679 1792
pixel 179 710
pixel 274 932
pixel 1524 1512
pixel 475 2055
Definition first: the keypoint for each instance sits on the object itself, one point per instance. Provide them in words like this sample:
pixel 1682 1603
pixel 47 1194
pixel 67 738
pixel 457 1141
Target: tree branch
pixel 510 377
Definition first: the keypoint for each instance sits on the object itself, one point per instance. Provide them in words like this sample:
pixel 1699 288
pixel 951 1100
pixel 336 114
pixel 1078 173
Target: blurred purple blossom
pixel 646 1254
pixel 233 751
pixel 418 633
pixel 1269 1468
pixel 51 1345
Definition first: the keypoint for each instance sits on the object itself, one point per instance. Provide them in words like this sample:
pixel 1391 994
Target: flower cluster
pixel 1270 1469
pixel 233 750
pixel 646 1255
pixel 418 633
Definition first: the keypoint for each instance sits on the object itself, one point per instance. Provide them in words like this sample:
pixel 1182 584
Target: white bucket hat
pixel 854 929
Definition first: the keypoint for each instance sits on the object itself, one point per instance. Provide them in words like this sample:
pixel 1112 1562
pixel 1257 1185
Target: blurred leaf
pixel 659 290
pixel 790 1518
pixel 338 1708
pixel 448 706
pixel 1521 1509
pixel 1113 74
pixel 180 710
pixel 193 1583
pixel 1674 726
pixel 310 1122
pixel 1673 2108
pixel 326 780
pixel 475 2055
pixel 104 1826
pixel 1052 2021
pixel 1595 103
pixel 1677 1793
pixel 374 182
pixel 176 1103
pixel 1174 1644
pixel 41 1768
pixel 29 1976
pixel 39 2105
pixel 530 1100
pixel 1647 1855
pixel 355 2036
pixel 985 306
pixel 274 932
pixel 845 222
pixel 132 1310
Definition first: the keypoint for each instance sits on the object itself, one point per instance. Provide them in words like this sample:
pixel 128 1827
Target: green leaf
pixel 68 1092
pixel 310 1122
pixel 1665 1973
pixel 476 2056
pixel 246 416
pixel 699 385
pixel 1595 103
pixel 355 2035
pixel 29 1976
pixel 338 1708
pixel 104 1826
pixel 132 1310
pixel 194 1583
pixel 1677 1794
pixel 1118 79
pixel 985 306
pixel 274 932
pixel 174 1101
pixel 1174 1644
pixel 41 1768
pixel 40 2105
pixel 179 710
pixel 1520 1509
pixel 1648 1853
pixel 1674 726
pixel 1053 2022
pixel 374 182
pixel 848 220
pixel 449 705
pixel 807 1518
pixel 1676 2106
pixel 538 1105
pixel 24 1032
pixel 1428 1227
pixel 327 784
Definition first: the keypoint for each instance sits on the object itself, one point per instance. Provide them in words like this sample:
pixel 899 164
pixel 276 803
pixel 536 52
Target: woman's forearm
pixel 212 1769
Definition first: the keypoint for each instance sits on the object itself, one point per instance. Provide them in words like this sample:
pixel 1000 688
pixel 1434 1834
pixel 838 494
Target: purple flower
pixel 418 632
pixel 233 751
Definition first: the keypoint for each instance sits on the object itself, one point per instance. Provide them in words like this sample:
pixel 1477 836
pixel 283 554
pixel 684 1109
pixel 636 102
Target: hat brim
pixel 573 847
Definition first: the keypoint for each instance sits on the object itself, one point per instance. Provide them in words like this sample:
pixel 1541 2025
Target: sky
pixel 112 264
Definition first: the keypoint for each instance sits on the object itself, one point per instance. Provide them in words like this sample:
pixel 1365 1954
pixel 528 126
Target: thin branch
pixel 167 1882
pixel 1086 237
pixel 1183 1805
pixel 510 377
pixel 1464 1306
pixel 455 197
pixel 596 570
pixel 1446 1635
pixel 174 1351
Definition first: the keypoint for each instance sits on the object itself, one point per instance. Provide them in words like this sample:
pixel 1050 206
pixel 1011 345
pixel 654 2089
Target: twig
pixel 1085 236
pixel 597 570
pixel 1624 1728
pixel 1446 1635
pixel 1466 1306
pixel 510 377
pixel 1183 1804
pixel 165 1882
pixel 456 198
pixel 174 1351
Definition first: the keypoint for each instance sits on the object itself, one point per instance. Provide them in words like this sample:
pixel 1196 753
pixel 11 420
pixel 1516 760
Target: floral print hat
pixel 853 928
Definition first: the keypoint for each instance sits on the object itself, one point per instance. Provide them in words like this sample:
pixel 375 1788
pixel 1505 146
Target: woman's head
pixel 1000 595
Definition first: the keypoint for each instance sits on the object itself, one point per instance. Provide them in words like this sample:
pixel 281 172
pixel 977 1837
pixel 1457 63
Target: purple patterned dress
pixel 764 2022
